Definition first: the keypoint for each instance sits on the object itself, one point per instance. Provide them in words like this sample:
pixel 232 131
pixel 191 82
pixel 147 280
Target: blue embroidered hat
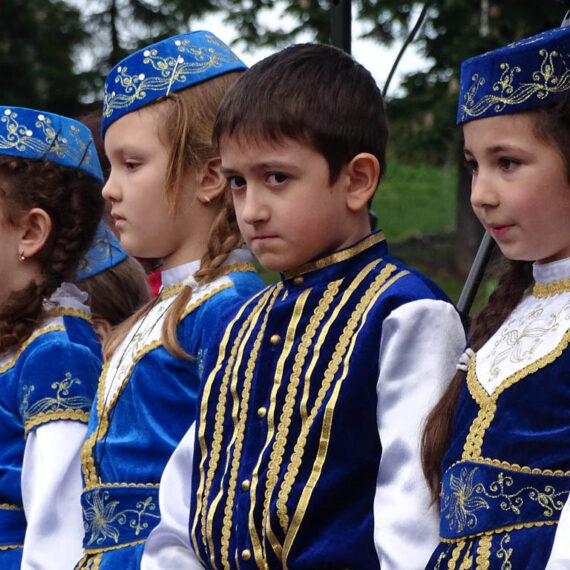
pixel 162 68
pixel 29 133
pixel 105 252
pixel 524 75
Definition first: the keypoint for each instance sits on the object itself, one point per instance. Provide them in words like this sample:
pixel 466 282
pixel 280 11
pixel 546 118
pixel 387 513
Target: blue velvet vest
pixel 287 448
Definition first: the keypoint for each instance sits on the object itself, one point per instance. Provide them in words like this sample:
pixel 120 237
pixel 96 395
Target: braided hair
pixel 72 199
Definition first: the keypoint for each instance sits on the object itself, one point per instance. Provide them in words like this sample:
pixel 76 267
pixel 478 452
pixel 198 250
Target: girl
pixel 168 201
pixel 50 203
pixel 506 454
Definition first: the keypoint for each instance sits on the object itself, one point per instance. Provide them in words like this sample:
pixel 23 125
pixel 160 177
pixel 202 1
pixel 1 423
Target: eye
pixel 132 164
pixel 236 182
pixel 276 178
pixel 508 163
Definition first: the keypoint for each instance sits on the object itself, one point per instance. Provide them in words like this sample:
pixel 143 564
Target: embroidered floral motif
pixel 461 503
pixel 102 522
pixel 61 401
pixel 544 82
pixel 505 553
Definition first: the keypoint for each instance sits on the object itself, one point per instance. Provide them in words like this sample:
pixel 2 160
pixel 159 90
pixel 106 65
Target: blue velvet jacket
pixel 144 405
pixel 51 377
pixel 287 451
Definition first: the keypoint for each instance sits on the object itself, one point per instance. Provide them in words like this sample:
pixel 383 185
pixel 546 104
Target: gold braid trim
pixel 516 467
pixel 70 312
pixel 91 551
pixel 488 403
pixel 8 507
pixel 542 290
pixel 189 308
pixel 123 485
pixel 89 562
pixel 455 555
pixel 11 546
pixel 499 530
pixel 484 552
pixel 27 343
pixel 45 417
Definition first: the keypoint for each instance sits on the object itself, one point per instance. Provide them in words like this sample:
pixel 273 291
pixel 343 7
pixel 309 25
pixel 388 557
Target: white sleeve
pixel 51 493
pixel 420 346
pixel 560 553
pixel 168 545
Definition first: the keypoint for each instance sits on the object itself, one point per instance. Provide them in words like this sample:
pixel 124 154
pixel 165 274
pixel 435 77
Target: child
pixel 116 283
pixel 169 201
pixel 50 202
pixel 506 454
pixel 307 436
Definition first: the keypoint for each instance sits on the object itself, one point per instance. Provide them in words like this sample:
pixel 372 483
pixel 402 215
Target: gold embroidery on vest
pixel 204 486
pixel 488 403
pixel 452 563
pixel 500 530
pixel 505 552
pixel 238 437
pixel 484 552
pixel 343 352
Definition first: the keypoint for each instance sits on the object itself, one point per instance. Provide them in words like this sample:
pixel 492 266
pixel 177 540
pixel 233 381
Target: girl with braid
pixel 168 201
pixel 50 203
pixel 496 449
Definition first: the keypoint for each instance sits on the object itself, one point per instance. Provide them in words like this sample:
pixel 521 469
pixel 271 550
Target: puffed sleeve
pixel 168 545
pixel 57 385
pixel 420 346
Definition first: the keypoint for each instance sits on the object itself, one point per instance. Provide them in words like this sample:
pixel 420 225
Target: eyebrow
pixel 494 149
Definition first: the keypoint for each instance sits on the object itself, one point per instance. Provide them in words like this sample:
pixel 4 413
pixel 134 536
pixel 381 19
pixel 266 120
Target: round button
pixel 245 484
pixel 299 280
pixel 245 554
pixel 274 339
pixel 261 412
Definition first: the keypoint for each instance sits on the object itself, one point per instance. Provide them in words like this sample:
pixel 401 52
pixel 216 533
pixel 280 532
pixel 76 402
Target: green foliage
pixel 415 200
pixel 37 41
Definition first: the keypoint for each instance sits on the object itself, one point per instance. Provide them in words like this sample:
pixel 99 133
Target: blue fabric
pixel 105 252
pixel 55 375
pixel 524 75
pixel 530 428
pixel 256 472
pixel 153 412
pixel 163 68
pixel 28 133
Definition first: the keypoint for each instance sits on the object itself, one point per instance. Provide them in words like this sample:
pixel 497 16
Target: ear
pixel 102 327
pixel 363 172
pixel 211 181
pixel 35 230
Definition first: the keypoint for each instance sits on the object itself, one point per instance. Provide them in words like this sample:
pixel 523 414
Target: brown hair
pixel 73 201
pixel 313 93
pixel 551 124
pixel 188 116
pixel 117 292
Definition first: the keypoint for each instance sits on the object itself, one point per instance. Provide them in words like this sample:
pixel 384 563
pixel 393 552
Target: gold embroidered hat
pixel 162 68
pixel 35 134
pixel 530 73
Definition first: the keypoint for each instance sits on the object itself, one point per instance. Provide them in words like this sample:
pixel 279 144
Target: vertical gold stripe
pixel 235 367
pixel 228 510
pixel 455 555
pixel 484 552
pixel 200 493
pixel 345 348
pixel 257 545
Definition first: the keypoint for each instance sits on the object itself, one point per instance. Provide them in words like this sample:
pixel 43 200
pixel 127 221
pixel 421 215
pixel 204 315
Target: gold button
pixel 246 554
pixel 299 280
pixel 245 484
pixel 261 412
pixel 275 339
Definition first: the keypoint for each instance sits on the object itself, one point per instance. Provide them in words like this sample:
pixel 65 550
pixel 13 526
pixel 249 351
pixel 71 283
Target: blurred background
pixel 55 54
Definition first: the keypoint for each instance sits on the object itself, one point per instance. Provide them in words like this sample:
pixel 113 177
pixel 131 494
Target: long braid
pixel 74 204
pixel 514 281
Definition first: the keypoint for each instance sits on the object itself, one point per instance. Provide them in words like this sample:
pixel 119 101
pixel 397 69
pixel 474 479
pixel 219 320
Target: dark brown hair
pixel 313 93
pixel 73 201
pixel 551 124
pixel 187 119
pixel 117 292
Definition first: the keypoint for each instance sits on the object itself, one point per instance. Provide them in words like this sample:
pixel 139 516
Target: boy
pixel 307 440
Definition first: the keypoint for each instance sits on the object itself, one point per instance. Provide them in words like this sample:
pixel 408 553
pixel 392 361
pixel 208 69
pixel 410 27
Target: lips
pixel 498 230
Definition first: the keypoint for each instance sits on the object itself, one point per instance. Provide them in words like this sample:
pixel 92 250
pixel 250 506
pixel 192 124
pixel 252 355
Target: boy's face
pixel 287 210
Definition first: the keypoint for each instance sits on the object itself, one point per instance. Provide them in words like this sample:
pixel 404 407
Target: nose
pixel 483 192
pixel 110 190
pixel 254 208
